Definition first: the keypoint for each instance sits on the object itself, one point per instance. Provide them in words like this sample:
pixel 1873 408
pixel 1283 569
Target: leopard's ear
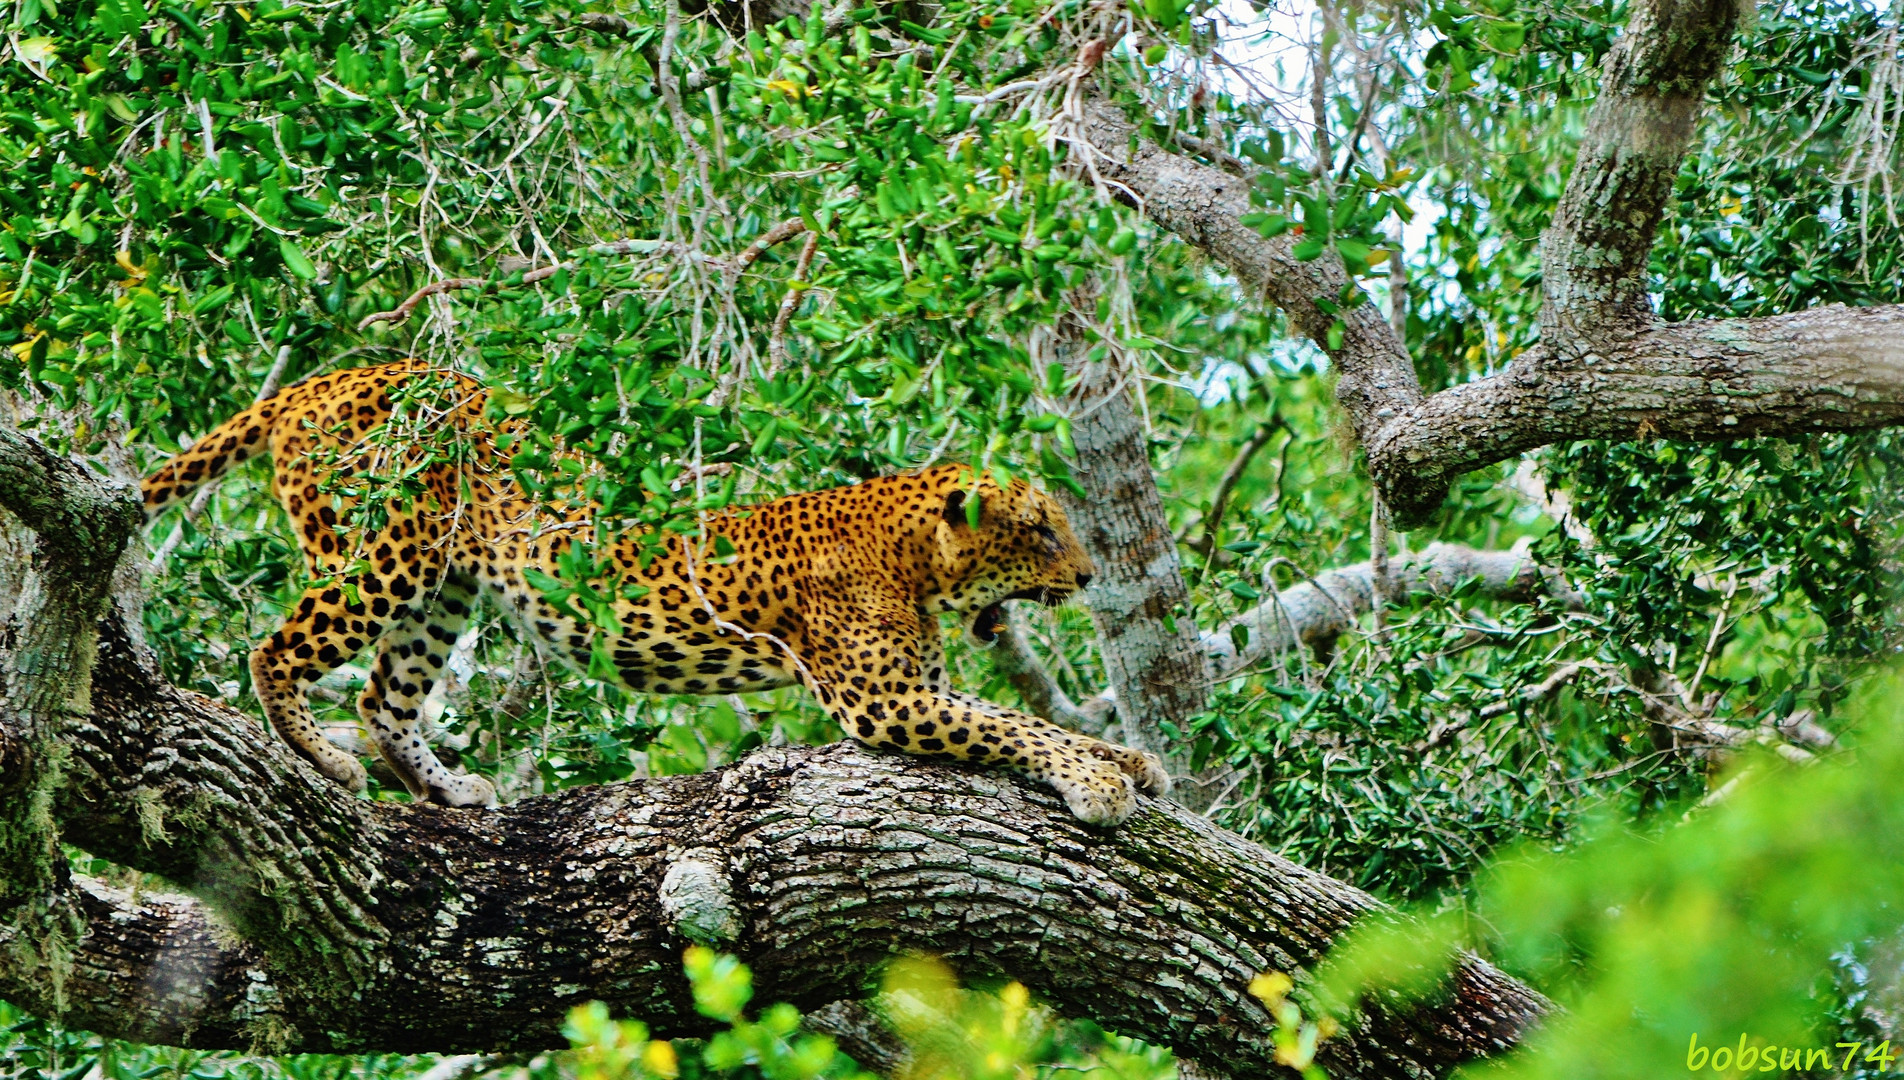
pixel 955 508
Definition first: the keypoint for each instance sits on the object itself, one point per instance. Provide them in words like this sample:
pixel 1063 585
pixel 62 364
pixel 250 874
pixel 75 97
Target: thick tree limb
pixel 384 926
pixel 1204 205
pixel 55 578
pixel 157 968
pixel 1594 254
pixel 1827 369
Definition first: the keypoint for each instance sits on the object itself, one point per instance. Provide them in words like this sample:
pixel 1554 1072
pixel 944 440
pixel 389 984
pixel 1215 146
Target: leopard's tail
pixel 226 445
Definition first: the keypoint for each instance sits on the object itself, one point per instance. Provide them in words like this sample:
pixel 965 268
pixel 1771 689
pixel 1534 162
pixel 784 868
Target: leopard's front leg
pixel 1145 769
pixel 881 675
pixel 920 721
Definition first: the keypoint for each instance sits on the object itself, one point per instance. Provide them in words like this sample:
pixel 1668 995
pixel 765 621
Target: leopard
pixel 838 590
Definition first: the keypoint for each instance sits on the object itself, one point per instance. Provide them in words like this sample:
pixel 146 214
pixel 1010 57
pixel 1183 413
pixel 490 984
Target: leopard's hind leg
pixel 325 629
pixel 410 659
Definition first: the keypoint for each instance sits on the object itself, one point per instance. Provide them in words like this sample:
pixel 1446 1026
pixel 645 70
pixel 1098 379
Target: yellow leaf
pixel 135 274
pixel 36 52
pixel 658 1058
pixel 787 86
pixel 1270 986
pixel 21 349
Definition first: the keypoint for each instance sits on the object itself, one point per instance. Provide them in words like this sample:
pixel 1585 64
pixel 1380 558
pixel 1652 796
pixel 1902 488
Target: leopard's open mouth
pixel 990 619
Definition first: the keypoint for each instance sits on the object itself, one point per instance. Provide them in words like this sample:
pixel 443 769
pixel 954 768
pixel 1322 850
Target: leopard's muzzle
pixel 990 619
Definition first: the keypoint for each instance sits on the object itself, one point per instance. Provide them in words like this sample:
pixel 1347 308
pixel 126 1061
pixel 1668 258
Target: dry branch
pixel 739 264
pixel 1220 498
pixel 1314 613
pixel 777 339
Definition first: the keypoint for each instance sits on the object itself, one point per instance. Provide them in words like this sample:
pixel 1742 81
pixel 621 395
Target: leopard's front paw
pixel 1144 768
pixel 1149 775
pixel 1098 797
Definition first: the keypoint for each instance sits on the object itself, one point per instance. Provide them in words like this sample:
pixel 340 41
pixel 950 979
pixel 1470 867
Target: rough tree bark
pixel 55 577
pixel 1605 367
pixel 317 921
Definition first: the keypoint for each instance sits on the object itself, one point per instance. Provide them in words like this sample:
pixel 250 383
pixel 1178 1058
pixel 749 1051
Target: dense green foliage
pixel 1722 932
pixel 204 194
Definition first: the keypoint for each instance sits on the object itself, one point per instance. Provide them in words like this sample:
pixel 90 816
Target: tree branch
pixel 1139 600
pixel 1220 498
pixel 1604 368
pixel 1012 656
pixel 1313 614
pixel 1594 254
pixel 62 532
pixel 1204 206
pixel 152 968
pixel 1827 369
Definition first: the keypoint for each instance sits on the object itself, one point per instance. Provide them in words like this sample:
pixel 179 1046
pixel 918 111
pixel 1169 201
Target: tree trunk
pixel 1140 604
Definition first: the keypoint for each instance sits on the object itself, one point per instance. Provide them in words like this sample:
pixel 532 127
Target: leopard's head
pixel 1021 549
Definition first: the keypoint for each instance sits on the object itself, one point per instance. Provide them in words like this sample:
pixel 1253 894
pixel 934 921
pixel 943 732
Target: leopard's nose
pixel 1083 580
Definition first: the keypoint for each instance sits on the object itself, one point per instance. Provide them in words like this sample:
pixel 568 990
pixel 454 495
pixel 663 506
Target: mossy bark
pixel 362 926
pixel 62 529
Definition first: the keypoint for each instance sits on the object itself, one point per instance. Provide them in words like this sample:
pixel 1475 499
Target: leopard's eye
pixel 1050 537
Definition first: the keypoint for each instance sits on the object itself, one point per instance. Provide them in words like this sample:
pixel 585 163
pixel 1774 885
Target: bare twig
pixel 1528 695
pixel 1319 106
pixel 777 340
pixel 746 258
pixel 1690 693
pixel 786 230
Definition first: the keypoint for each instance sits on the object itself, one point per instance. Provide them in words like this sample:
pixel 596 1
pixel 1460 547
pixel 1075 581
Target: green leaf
pixel 295 260
pixel 1507 37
